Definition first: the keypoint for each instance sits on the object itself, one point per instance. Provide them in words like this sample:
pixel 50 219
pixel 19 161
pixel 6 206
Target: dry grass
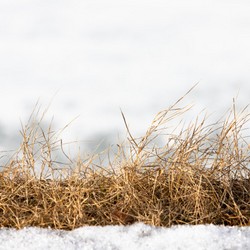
pixel 201 175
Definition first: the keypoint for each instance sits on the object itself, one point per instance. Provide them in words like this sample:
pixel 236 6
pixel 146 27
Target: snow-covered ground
pixel 103 55
pixel 136 237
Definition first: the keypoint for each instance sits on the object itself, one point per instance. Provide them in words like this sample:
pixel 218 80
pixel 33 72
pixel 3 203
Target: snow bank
pixel 138 236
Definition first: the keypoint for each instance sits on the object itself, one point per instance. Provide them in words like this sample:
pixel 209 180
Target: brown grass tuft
pixel 201 175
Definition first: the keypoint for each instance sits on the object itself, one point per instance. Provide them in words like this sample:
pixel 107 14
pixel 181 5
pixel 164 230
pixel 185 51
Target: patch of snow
pixel 138 236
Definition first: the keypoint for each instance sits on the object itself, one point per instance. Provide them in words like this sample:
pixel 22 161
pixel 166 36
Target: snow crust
pixel 138 236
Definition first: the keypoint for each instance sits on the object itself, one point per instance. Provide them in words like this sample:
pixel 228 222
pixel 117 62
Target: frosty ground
pixel 137 236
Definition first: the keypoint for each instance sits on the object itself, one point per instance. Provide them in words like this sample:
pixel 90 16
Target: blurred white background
pixel 95 57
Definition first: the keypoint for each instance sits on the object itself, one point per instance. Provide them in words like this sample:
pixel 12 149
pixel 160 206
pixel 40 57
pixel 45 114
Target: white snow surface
pixel 137 236
pixel 101 56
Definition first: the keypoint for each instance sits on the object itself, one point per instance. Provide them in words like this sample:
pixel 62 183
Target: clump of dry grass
pixel 201 175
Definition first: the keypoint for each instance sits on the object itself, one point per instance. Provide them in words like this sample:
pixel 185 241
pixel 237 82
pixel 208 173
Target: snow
pixel 101 56
pixel 137 236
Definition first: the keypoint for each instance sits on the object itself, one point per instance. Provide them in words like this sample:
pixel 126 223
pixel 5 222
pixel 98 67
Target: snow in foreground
pixel 138 236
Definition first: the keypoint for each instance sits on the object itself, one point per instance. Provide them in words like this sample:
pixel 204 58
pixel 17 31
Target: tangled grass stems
pixel 201 175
